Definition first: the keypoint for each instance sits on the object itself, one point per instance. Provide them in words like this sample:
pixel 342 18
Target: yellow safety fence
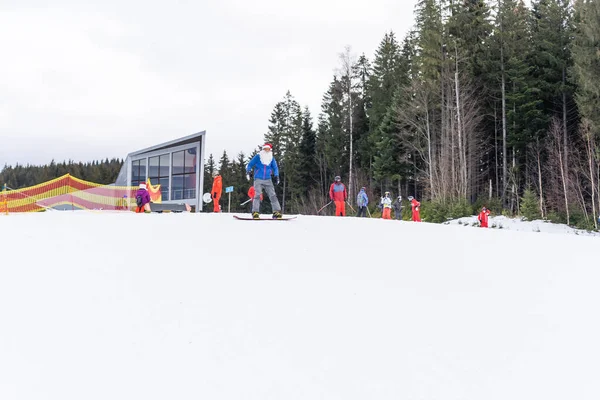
pixel 68 192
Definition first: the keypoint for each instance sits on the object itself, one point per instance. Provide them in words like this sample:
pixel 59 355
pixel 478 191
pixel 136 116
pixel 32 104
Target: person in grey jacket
pixel 362 201
pixel 397 206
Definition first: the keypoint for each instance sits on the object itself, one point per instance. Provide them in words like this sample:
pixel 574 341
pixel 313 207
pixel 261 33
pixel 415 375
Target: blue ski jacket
pixel 362 200
pixel 262 171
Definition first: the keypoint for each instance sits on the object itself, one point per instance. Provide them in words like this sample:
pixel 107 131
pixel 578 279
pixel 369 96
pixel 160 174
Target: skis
pixel 263 219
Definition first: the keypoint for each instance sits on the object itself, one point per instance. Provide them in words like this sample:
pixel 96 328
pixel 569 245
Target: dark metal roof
pixel 196 137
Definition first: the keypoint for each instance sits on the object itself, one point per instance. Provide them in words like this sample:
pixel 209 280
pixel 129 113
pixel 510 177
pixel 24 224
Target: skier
pixel 252 192
pixel 338 194
pixel 416 217
pixel 362 202
pixel 264 165
pixel 386 206
pixel 142 199
pixel 397 206
pixel 217 189
pixel 483 217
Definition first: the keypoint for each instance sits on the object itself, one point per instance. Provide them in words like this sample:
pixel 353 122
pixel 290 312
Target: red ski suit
pixel 338 194
pixel 416 217
pixel 483 218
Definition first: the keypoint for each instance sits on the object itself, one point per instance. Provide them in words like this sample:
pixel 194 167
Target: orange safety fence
pixel 68 192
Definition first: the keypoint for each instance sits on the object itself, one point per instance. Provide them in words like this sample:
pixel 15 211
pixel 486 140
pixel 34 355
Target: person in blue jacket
pixel 264 166
pixel 362 201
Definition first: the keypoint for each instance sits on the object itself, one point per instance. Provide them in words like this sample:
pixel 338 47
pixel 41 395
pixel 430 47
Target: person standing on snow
pixel 416 216
pixel 264 166
pixel 386 206
pixel 338 194
pixel 362 201
pixel 483 217
pixel 217 190
pixel 397 206
pixel 142 199
pixel 252 192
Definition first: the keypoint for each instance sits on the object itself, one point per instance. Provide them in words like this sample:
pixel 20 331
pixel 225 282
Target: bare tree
pixel 348 61
pixel 556 161
pixel 591 152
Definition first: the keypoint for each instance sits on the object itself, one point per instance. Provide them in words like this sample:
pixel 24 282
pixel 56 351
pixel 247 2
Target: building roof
pixel 193 138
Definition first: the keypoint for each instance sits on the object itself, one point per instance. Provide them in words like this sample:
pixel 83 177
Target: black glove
pixel 277 180
pixel 214 195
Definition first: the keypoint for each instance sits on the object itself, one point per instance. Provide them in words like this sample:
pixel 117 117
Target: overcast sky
pixel 86 80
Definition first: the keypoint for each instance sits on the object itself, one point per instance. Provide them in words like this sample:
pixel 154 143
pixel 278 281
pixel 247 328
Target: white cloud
pixel 96 80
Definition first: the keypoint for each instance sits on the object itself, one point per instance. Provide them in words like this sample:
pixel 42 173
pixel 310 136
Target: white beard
pixel 266 157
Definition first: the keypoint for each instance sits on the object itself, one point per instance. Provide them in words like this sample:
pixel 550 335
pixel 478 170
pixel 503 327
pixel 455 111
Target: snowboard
pixel 263 219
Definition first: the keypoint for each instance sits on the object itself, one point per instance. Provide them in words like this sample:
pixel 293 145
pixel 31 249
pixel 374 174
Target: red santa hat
pixel 142 185
pixel 268 146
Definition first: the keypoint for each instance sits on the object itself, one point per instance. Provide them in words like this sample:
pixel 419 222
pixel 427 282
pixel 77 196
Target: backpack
pixel 139 200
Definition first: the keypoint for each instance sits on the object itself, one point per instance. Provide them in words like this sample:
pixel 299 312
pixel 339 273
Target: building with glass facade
pixel 176 165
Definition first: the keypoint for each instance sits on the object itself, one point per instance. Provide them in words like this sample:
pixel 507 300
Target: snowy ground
pixel 517 224
pixel 101 305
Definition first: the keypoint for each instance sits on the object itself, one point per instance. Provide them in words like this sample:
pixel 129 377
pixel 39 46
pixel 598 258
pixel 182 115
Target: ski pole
pixel 246 202
pixel 349 205
pixel 369 212
pixel 323 207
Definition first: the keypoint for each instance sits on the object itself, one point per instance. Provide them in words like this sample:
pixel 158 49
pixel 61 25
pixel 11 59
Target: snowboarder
pixel 264 166
pixel 362 201
pixel 386 206
pixel 338 194
pixel 483 217
pixel 217 189
pixel 397 206
pixel 416 216
pixel 142 199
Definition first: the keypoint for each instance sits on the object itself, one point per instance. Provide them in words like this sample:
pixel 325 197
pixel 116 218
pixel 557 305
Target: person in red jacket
pixel 216 191
pixel 416 216
pixel 483 217
pixel 338 194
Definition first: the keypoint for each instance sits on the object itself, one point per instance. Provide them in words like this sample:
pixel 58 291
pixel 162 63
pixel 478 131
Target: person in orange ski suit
pixel 483 217
pixel 416 216
pixel 338 194
pixel 215 193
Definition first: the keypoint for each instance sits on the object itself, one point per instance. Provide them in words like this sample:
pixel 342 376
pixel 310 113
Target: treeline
pixel 19 176
pixel 480 103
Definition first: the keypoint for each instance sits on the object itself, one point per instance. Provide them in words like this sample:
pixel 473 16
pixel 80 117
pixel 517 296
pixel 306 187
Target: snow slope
pixel 517 224
pixel 101 305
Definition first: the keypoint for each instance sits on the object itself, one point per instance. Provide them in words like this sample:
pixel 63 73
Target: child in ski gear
pixel 252 192
pixel 386 206
pixel 338 194
pixel 397 206
pixel 362 202
pixel 483 217
pixel 416 216
pixel 264 166
pixel 142 199
pixel 217 189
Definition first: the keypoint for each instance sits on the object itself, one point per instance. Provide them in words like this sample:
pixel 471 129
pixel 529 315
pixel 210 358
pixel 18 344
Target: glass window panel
pixel 143 170
pixel 164 165
pixel 177 188
pixel 178 163
pixel 189 183
pixel 135 168
pixel 153 167
pixel 164 188
pixel 154 180
pixel 190 160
